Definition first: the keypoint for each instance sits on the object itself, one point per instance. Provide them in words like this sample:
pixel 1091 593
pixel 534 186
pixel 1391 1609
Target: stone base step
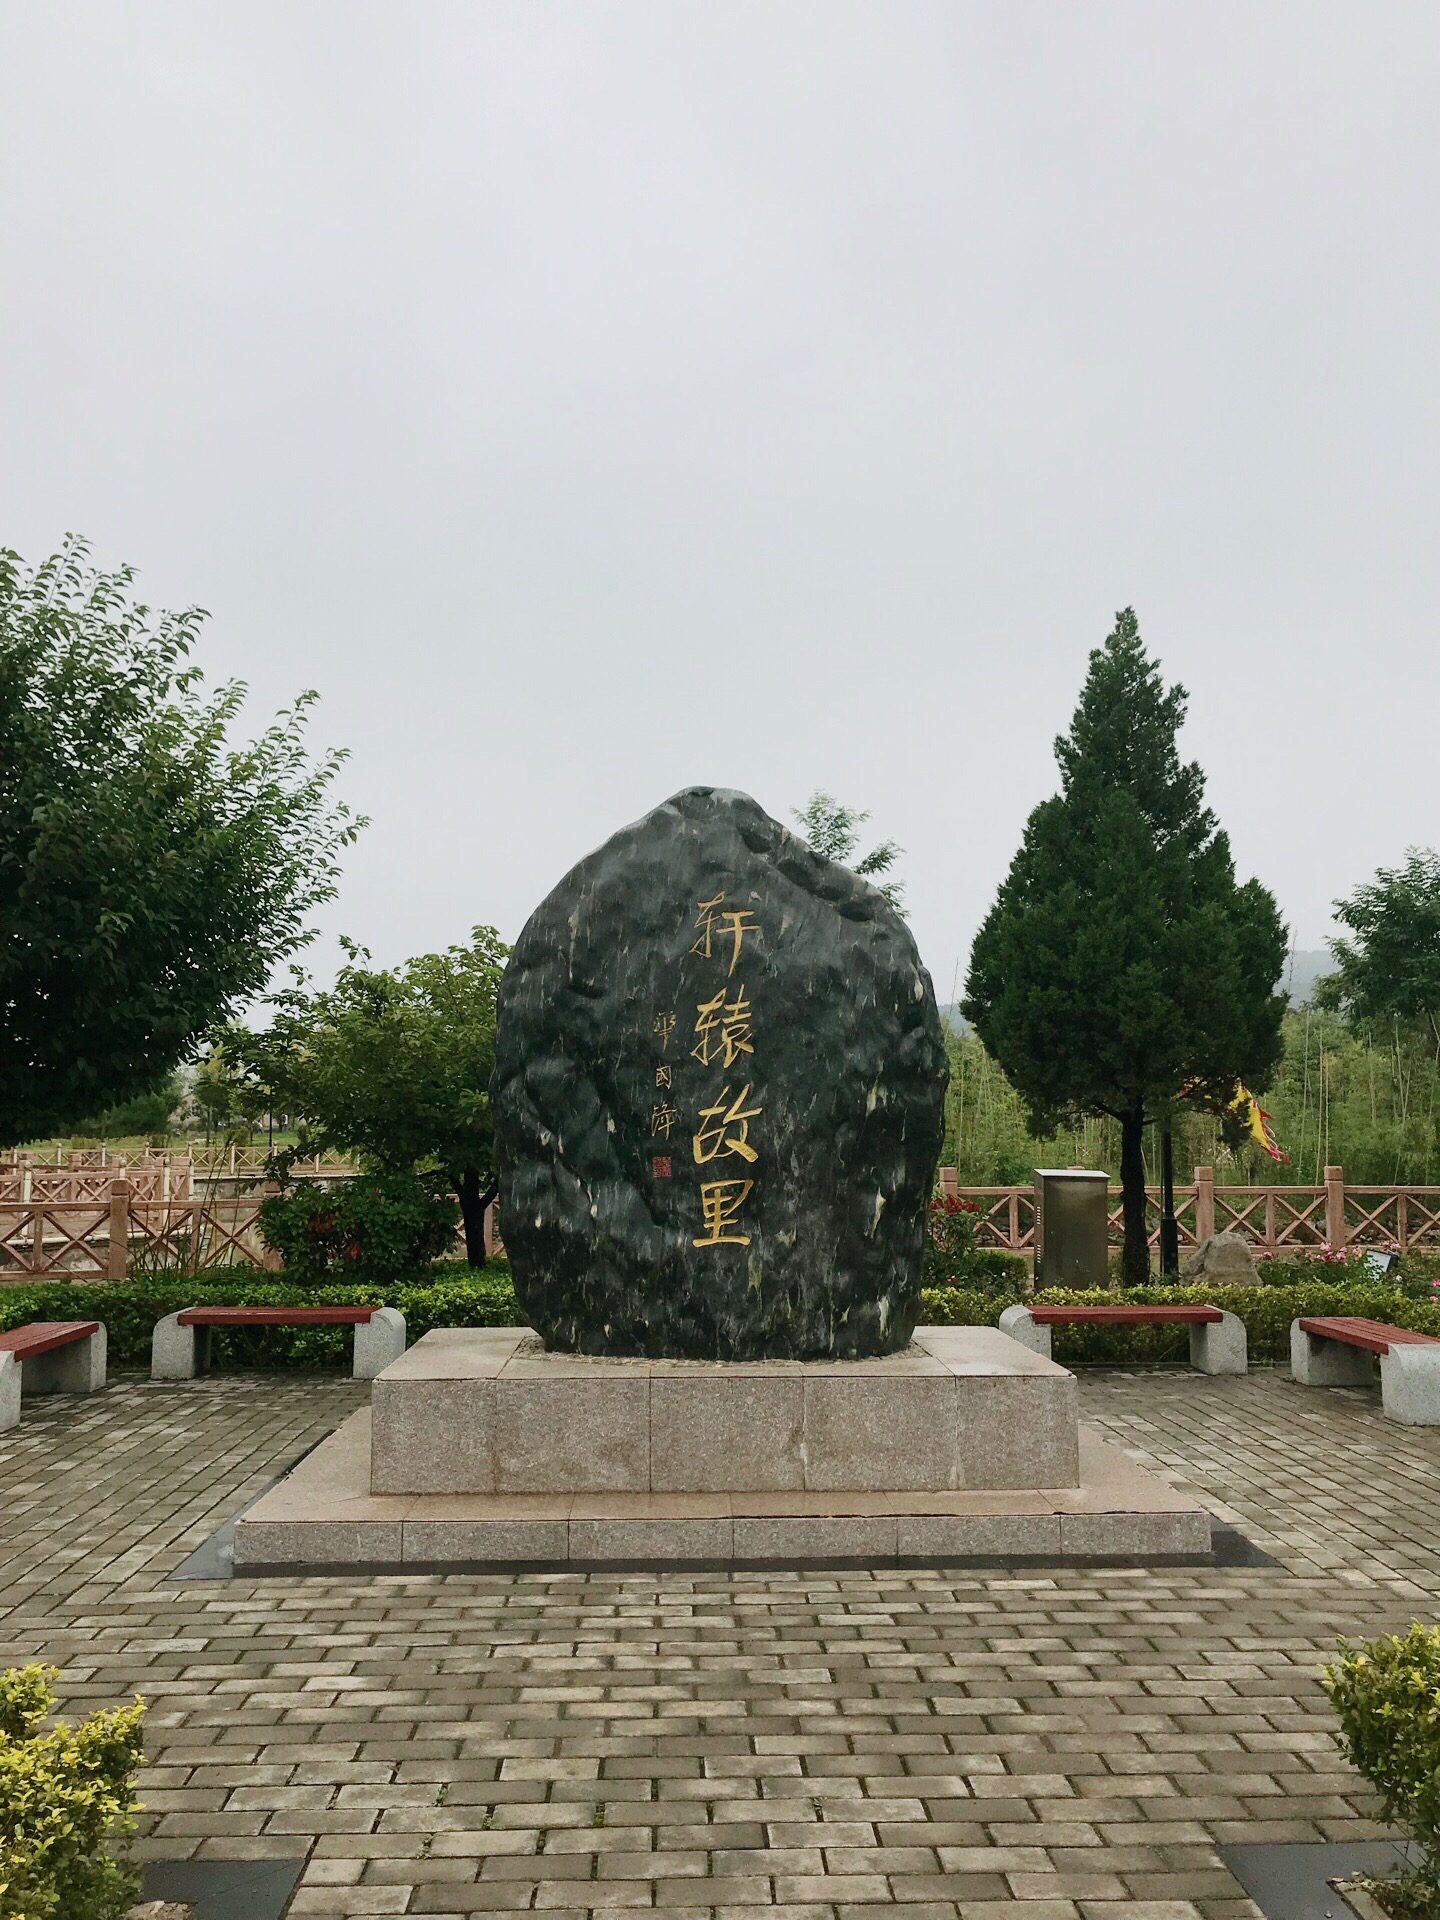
pixel 323 1517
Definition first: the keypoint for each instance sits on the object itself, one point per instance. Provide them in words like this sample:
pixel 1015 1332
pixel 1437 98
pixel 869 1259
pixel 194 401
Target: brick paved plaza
pixel 1081 1740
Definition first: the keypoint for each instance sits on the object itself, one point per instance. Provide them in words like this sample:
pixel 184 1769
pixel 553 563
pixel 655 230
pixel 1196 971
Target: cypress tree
pixel 1121 961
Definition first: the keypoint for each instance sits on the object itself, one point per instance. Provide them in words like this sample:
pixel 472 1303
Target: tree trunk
pixel 1136 1266
pixel 474 1201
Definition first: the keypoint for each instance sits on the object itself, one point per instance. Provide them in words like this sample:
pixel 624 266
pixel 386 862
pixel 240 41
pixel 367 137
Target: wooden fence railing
pixel 102 1234
pixel 105 1237
pixel 87 1173
pixel 53 1185
pixel 1275 1220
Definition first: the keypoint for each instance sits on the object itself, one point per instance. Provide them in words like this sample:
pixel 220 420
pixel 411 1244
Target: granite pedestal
pixel 481 1449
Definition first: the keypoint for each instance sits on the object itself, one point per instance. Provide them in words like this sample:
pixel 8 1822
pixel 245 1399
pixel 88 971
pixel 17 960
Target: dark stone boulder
pixel 718 1098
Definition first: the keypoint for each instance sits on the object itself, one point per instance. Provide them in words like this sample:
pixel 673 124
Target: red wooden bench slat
pixel 275 1316
pixel 1157 1316
pixel 1354 1331
pixel 42 1335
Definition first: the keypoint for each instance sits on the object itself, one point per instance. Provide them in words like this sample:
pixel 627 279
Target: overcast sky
pixel 593 399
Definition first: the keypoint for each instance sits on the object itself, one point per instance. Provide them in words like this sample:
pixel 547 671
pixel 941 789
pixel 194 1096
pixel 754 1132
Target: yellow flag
pixel 1247 1110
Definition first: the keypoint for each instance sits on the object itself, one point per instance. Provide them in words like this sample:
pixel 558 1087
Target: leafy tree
pixel 1121 961
pixel 833 830
pixel 1390 971
pixel 394 1065
pixel 146 1113
pixel 151 873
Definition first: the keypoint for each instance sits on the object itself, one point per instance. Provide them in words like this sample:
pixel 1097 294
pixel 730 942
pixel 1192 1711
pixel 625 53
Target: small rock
pixel 1223 1260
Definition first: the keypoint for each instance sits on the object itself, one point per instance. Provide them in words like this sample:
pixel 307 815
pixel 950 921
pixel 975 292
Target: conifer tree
pixel 1121 962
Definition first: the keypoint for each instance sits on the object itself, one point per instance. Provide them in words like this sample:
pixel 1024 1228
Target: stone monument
pixel 719 1098
pixel 718 1091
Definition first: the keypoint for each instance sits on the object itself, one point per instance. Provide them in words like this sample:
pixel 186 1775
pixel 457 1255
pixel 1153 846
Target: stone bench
pixel 180 1344
pixel 1217 1339
pixel 49 1356
pixel 1341 1350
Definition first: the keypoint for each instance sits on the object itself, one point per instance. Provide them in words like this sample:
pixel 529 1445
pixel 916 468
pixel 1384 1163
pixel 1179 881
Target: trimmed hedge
pixel 982 1271
pixel 1266 1311
pixel 454 1296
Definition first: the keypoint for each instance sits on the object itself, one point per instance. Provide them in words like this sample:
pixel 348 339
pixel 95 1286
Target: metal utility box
pixel 1072 1231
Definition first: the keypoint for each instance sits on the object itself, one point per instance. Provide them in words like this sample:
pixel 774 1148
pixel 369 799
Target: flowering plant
pixel 950 1225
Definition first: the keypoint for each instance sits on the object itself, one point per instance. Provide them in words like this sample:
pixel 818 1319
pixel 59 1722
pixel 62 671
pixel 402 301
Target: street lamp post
pixel 1169 1226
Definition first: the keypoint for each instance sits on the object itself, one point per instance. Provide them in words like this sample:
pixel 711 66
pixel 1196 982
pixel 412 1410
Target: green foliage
pixel 376 1227
pixel 949 1229
pixel 1356 1097
pixel 447 1294
pixel 987 1139
pixel 833 830
pixel 1387 1695
pixel 150 873
pixel 1266 1311
pixel 1342 1096
pixel 223 1092
pixel 1121 960
pixel 147 1113
pixel 951 1259
pixel 1390 971
pixel 392 1065
pixel 967 1306
pixel 450 1294
pixel 67 1802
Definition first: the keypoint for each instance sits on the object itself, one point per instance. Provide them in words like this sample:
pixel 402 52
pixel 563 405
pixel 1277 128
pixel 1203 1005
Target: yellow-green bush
pixel 1387 1694
pixel 67 1801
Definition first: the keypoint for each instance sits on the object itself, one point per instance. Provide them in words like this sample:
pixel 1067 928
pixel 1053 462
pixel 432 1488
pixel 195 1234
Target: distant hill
pixel 1302 970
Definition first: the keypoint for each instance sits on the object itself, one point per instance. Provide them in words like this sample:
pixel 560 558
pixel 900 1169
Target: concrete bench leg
pixel 1021 1325
pixel 78 1368
pixel 1317 1362
pixel 1410 1385
pixel 9 1391
pixel 378 1341
pixel 176 1352
pixel 1219 1346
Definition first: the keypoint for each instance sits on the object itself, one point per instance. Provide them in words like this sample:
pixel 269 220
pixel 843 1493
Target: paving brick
pixel 942 1744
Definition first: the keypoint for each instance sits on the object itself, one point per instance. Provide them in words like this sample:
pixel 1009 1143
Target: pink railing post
pixel 949 1182
pixel 1204 1204
pixel 1336 1232
pixel 119 1249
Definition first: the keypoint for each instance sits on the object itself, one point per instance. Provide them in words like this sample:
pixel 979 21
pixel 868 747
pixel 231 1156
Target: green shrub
pixel 1266 1312
pixel 374 1228
pixel 67 1801
pixel 449 1294
pixel 949 1232
pixel 952 1260
pixel 963 1306
pixel 1387 1694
